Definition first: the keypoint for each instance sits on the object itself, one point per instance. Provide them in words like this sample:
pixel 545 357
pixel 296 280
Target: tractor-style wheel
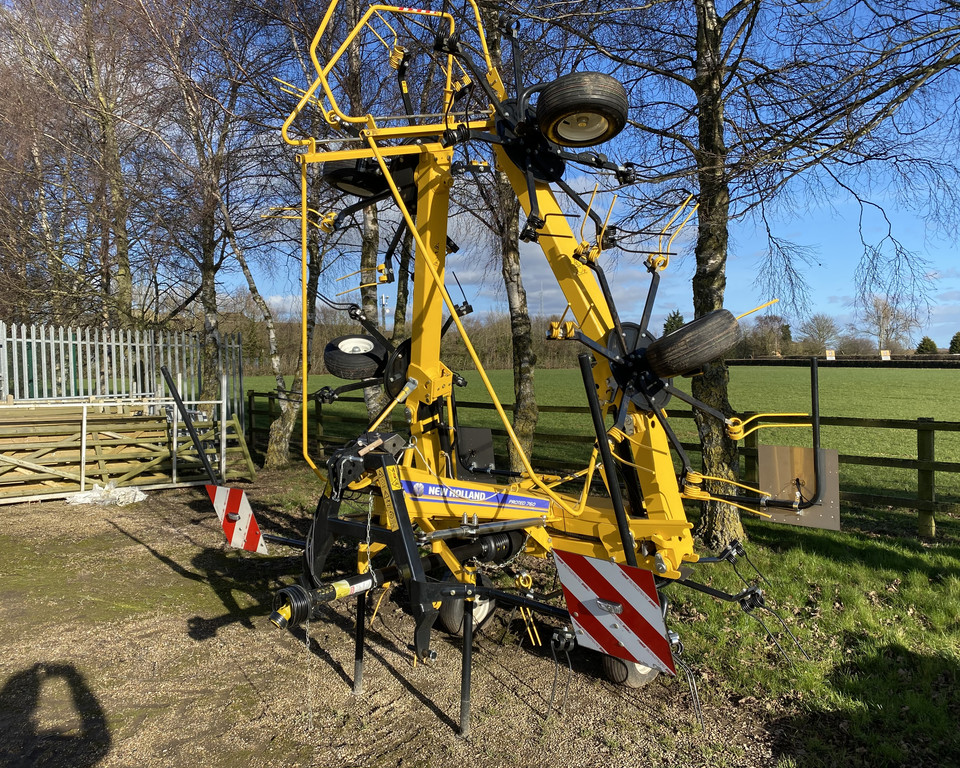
pixel 451 611
pixel 693 345
pixel 582 109
pixel 354 178
pixel 354 357
pixel 627 673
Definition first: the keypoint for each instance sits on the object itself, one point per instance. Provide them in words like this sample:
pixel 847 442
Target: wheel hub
pixel 633 376
pixel 582 127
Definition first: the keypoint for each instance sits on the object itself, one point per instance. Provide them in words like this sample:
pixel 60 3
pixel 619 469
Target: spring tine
pixel 692 685
pixel 770 635
pixel 787 629
pixel 747 557
pixel 506 627
pixel 566 691
pixel 556 672
pixel 740 575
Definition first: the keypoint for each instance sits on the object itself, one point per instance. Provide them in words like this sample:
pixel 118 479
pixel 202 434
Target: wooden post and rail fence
pixel 330 431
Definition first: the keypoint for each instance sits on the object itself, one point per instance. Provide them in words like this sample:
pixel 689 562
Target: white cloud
pixel 284 305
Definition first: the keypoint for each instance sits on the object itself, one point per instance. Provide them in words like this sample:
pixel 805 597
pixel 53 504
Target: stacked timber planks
pixel 59 451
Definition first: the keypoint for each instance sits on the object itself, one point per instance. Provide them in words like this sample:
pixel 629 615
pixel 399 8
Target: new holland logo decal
pixel 434 492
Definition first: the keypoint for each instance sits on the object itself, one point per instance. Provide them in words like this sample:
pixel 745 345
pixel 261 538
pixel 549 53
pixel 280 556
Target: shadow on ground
pixel 50 717
pixel 227 574
pixel 894 707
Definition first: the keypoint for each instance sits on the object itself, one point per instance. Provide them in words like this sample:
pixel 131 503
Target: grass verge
pixel 876 611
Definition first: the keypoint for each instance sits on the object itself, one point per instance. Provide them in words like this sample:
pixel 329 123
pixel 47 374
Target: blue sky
pixel 832 235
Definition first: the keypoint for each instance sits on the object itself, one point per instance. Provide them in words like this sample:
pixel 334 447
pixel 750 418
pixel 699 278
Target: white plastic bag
pixel 108 495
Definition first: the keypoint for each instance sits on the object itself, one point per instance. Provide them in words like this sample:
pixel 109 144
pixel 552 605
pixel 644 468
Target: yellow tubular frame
pixel 575 523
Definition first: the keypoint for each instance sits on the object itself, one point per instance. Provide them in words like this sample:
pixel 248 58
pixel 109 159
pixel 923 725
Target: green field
pixel 844 392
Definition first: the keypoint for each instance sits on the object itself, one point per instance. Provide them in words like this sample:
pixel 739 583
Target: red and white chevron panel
pixel 237 519
pixel 615 609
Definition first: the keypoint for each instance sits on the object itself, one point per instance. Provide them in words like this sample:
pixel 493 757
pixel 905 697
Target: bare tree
pixel 298 21
pixel 885 322
pixel 854 344
pixel 149 161
pixel 772 331
pixel 759 104
pixel 818 332
pixel 501 202
pixel 497 210
pixel 215 60
pixel 81 63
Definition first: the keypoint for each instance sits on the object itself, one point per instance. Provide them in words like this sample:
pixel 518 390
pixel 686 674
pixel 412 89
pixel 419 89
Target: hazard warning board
pixel 237 519
pixel 615 609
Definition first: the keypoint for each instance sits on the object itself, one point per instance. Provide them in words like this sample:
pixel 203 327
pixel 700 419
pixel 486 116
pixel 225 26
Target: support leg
pixel 358 652
pixel 466 667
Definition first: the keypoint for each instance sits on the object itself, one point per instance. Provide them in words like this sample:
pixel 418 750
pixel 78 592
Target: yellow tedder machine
pixel 435 504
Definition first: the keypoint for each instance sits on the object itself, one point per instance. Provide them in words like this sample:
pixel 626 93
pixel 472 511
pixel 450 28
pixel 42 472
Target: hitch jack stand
pixel 466 667
pixel 358 650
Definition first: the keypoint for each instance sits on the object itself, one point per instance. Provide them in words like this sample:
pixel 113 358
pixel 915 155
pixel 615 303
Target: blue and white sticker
pixel 473 497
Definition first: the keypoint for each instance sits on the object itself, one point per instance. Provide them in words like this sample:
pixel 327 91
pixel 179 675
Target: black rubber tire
pixel 451 611
pixel 627 673
pixel 352 177
pixel 395 371
pixel 582 109
pixel 355 357
pixel 693 345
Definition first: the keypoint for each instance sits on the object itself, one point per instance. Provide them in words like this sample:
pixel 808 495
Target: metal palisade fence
pixel 40 362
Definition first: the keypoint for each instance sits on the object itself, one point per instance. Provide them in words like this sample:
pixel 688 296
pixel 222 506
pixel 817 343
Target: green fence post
pixel 926 478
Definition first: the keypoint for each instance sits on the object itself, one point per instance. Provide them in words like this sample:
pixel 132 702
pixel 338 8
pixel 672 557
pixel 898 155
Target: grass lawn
pixel 876 610
pixel 844 392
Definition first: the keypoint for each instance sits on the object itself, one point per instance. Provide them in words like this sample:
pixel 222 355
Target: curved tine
pixel 737 571
pixel 747 558
pixel 787 630
pixel 771 636
pixel 692 685
pixel 556 673
pixel 566 691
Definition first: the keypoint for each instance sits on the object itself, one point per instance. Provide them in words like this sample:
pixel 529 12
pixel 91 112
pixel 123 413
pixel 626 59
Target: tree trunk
pixel 403 290
pixel 719 523
pixel 121 303
pixel 210 357
pixel 16 305
pixel 525 410
pixel 374 397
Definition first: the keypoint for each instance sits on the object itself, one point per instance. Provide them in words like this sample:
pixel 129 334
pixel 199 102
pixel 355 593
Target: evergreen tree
pixel 955 344
pixel 786 340
pixel 927 346
pixel 675 320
